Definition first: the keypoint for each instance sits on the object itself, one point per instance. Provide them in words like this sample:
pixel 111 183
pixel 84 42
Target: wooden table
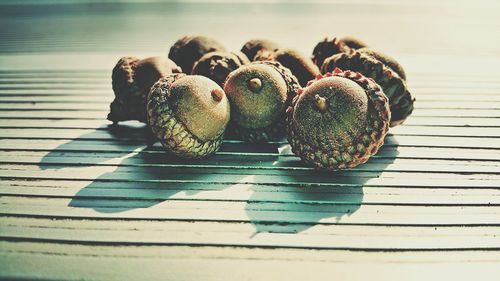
pixel 81 200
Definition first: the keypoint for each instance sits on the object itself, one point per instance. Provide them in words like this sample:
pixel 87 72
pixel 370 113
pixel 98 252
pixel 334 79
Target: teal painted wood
pixel 80 200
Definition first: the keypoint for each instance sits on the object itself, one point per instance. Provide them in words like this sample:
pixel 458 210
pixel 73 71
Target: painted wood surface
pixel 83 200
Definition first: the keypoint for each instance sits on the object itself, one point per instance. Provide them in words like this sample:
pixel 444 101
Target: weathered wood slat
pixel 101 114
pixel 207 238
pixel 214 263
pixel 242 151
pixel 258 162
pixel 251 212
pixel 111 133
pixel 102 124
pixel 50 142
pixel 256 176
pixel 243 192
pixel 91 104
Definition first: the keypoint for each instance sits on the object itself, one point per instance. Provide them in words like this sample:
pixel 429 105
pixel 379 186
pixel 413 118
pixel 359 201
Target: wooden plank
pixel 90 103
pixel 93 140
pixel 98 114
pixel 102 124
pixel 262 212
pixel 244 192
pixel 112 132
pixel 72 262
pixel 241 150
pixel 257 162
pixel 300 177
pixel 416 240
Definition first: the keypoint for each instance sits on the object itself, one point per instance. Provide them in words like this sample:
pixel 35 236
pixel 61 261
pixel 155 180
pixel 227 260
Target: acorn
pixel 259 94
pixel 189 49
pixel 400 99
pixel 131 80
pixel 302 67
pixel 338 121
pixel 188 114
pixel 327 48
pixel 252 47
pixel 386 59
pixel 218 65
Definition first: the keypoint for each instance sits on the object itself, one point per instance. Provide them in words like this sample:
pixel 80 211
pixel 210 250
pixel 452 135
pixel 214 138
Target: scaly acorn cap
pixel 386 59
pixel 327 48
pixel 400 99
pixel 131 80
pixel 259 93
pixel 218 65
pixel 189 49
pixel 252 47
pixel 338 121
pixel 188 114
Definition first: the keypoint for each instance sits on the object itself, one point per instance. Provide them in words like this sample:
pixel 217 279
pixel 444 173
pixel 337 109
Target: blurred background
pixel 450 27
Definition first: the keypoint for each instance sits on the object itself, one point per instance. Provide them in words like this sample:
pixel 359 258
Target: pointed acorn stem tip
pixel 255 84
pixel 320 103
pixel 217 94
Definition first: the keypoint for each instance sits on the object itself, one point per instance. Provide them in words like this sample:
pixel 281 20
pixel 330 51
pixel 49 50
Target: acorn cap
pixel 218 65
pixel 353 42
pixel 189 49
pixel 386 59
pixel 132 79
pixel 338 121
pixel 400 99
pixel 188 114
pixel 302 67
pixel 253 46
pixel 326 48
pixel 259 93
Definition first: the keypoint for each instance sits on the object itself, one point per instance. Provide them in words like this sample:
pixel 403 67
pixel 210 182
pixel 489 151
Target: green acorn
pixel 400 99
pixel 338 121
pixel 259 94
pixel 188 114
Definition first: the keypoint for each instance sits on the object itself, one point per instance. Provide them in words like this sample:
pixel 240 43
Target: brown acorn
pixel 400 99
pixel 302 67
pixel 338 121
pixel 252 47
pixel 386 59
pixel 218 65
pixel 259 93
pixel 327 48
pixel 189 49
pixel 188 114
pixel 132 79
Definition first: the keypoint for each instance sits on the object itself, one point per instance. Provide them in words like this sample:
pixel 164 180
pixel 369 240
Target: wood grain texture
pixel 83 200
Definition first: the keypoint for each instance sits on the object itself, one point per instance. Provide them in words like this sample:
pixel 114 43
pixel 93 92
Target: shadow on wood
pixel 312 197
pixel 280 194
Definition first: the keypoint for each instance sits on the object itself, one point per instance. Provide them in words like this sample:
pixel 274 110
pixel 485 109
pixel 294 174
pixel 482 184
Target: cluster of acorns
pixel 335 108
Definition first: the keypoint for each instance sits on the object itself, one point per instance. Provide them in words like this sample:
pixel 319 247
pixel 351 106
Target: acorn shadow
pixel 126 169
pixel 309 197
pixel 144 179
pixel 101 145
